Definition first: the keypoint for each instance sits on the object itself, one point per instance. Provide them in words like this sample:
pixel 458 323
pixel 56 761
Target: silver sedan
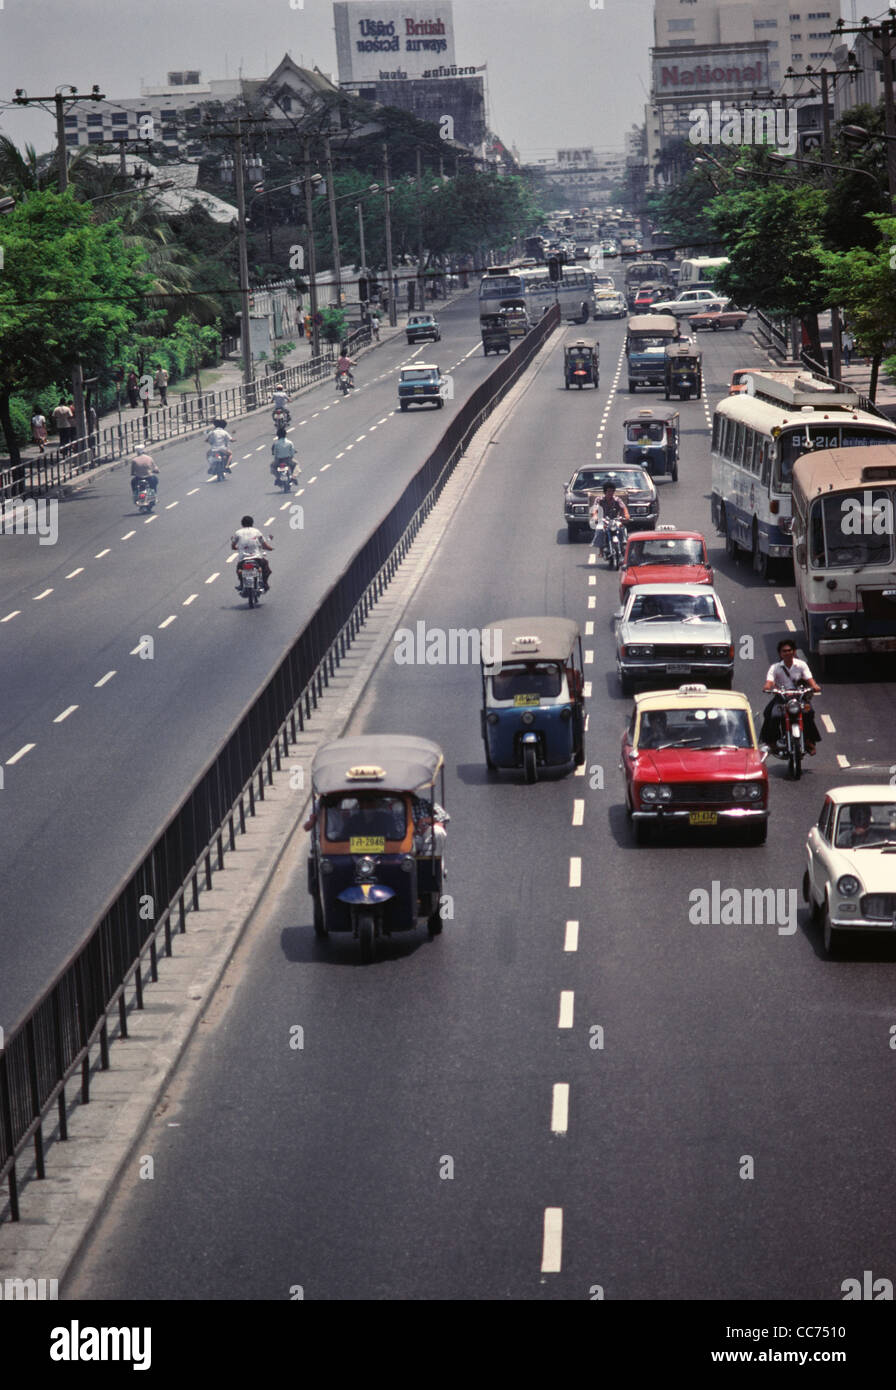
pixel 667 632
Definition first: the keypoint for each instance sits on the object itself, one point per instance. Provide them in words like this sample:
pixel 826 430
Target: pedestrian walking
pixel 160 382
pixel 62 419
pixel 39 427
pixel 375 325
pixel 133 389
pixel 91 427
pixel 301 325
pixel 847 343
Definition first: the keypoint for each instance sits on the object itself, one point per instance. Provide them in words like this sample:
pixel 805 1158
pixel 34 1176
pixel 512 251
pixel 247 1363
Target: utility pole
pixel 393 315
pixel 312 255
pixel 881 36
pixel 243 238
pixel 60 101
pixel 334 222
pixel 421 269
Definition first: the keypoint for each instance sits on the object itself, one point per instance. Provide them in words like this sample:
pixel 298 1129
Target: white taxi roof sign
pixel 361 773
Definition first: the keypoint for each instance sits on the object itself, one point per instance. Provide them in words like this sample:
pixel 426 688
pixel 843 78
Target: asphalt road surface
pixel 728 1127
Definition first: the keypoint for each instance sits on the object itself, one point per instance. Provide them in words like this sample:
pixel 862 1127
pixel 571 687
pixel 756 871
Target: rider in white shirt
pixel 250 544
pixel 786 674
pixel 218 438
pixel 283 449
pixel 279 400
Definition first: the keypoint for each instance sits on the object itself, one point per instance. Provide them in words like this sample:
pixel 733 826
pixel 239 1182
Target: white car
pixel 691 302
pixel 609 304
pixel 850 878
pixel 666 630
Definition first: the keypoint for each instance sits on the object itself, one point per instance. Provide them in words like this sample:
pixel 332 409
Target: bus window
pixel 717 424
pixel 816 539
pixel 737 452
pixel 855 531
pixel 767 449
pixel 751 452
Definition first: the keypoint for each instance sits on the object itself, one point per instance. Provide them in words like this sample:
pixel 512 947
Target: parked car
pixel 609 304
pixel 690 301
pixel 690 757
pixel 633 485
pixel 420 385
pixel 655 557
pixel 421 327
pixel 668 630
pixel 716 319
pixel 850 878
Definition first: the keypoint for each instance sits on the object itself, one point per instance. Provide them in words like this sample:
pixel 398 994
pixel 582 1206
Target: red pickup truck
pixel 721 318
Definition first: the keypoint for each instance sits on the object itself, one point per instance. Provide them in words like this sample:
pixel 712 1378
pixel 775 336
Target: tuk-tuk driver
pixel 606 508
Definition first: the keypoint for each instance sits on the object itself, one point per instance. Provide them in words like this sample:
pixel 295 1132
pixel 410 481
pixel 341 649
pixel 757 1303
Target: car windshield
pixel 674 608
pixel 866 823
pixel 695 728
pixel 640 342
pixel 590 478
pixel 666 552
pixel 381 817
pixel 527 681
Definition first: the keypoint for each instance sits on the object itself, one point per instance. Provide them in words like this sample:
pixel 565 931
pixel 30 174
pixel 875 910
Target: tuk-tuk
pixel 495 334
pixel 581 364
pixel 377 837
pixel 684 371
pixel 533 695
pixel 651 441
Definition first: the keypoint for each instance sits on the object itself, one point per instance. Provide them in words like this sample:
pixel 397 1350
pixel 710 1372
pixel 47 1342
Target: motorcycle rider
pixel 606 508
pixel 787 674
pixel 282 450
pixel 143 466
pixel 217 438
pixel 250 544
pixel 345 364
pixel 278 400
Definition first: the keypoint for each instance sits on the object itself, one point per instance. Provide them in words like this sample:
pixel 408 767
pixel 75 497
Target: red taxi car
pixel 664 556
pixel 690 757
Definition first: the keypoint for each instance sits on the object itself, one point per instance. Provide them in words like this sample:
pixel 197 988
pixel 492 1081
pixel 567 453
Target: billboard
pixel 383 41
pixel 718 70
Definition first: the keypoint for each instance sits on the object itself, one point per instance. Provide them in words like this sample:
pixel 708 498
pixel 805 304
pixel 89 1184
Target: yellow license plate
pixel 703 818
pixel 526 700
pixel 367 844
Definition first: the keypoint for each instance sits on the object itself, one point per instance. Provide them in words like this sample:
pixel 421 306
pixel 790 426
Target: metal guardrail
pixel 774 336
pixel 53 1041
pixel 865 402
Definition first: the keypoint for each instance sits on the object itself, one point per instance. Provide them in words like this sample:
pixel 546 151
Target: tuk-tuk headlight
pixel 566 712
pixel 492 718
pixel 366 866
pixel 528 717
pixel 407 863
pixel 325 866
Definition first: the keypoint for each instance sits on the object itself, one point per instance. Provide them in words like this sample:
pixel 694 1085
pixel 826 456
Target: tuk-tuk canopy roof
pixel 581 346
pixel 682 350
pixel 377 762
pixel 663 414
pixel 528 639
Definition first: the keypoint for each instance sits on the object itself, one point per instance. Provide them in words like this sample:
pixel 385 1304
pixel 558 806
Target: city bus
pixel 843 549
pixel 758 435
pixel 644 272
pixel 700 272
pixel 509 286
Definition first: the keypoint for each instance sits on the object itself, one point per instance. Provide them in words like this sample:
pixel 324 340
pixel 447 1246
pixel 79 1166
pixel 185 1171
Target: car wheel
pixel 758 833
pixel 439 404
pixel 643 832
pixel 403 404
pixel 814 909
pixel 675 471
pixel 731 546
pixel 572 532
pixel 631 387
pixel 830 935
pixel 626 685
pixel 760 557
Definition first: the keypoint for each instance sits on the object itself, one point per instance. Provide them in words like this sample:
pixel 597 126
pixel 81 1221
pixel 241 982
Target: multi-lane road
pixel 576 1085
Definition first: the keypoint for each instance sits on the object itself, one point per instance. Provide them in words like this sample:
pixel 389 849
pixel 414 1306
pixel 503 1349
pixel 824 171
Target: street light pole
pixel 421 270
pixel 360 211
pixel 334 223
pixel 243 239
pixel 312 255
pixel 393 315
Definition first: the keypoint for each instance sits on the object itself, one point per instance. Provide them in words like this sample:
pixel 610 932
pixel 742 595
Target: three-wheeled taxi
pixel 581 364
pixel 533 695
pixel 651 441
pixel 495 334
pixel 377 837
pixel 684 371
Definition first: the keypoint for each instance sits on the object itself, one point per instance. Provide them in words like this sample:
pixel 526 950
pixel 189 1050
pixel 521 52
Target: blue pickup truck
pixel 646 341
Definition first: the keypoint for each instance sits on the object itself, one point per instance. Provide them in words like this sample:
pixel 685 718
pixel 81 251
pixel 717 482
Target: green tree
pixel 863 282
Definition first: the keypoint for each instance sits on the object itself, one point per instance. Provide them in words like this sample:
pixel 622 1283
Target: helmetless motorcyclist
pixel 144 468
pixel 786 674
pixel 345 364
pixel 218 440
pixel 250 544
pixel 283 451
pixel 609 507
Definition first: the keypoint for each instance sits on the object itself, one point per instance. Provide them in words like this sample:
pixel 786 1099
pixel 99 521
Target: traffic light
pixel 554 268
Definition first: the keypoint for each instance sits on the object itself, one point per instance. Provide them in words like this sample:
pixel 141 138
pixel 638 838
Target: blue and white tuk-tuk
pixel 533 705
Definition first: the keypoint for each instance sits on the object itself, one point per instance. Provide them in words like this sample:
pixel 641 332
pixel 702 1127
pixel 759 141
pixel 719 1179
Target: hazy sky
pixel 560 73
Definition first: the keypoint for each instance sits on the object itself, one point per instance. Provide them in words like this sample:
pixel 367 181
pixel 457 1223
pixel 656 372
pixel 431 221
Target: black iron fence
pixel 52 1044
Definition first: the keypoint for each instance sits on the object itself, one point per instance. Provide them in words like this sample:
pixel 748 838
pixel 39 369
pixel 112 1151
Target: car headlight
pixel 637 651
pixel 657 792
pixel 754 791
pixel 717 651
pixel 739 791
pixel 848 885
pixel 836 624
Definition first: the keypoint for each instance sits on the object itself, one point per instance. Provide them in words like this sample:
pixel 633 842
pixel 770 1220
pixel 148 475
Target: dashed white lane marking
pixel 128 535
pixel 779 600
pixel 589 629
pixel 589 657
pixel 372 428
pixel 103 679
pixel 842 761
pixel 360 437
pixel 575 872
pixel 212 577
pixel 102 553
pixel 285 506
pixel 592 601
pixel 383 421
pixel 315 415
pixel 312 480
pixel 592 579
pixel 300 491
pixel 187 601
pixel 79 570
pixel 248 456
pixel 578 812
pixel 587 720
pixel 170 505
pixel 567 1001
pixel 149 520
pixel 65 714
pixel 303 422
pixel 135 651
pixel 325 466
pixel 25 748
pixel 231 559
pixel 580 771
pixel 14 614
pixel 587 690
pixel 349 446
pixel 571 939
pixel 790 624
pixel 192 491
pixel 552 1241
pixel 258 450
pixel 168 621
pixel 828 723
pixel 270 521
pixel 37 597
pixel 342 455
pixel 592 558
pixel 560 1108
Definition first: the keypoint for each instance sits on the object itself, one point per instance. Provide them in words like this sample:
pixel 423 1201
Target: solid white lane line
pixel 65 714
pixel 560 1108
pixel 828 723
pixel 187 601
pixel 168 621
pixel 565 1016
pixel 842 761
pixel 192 491
pixel 25 748
pixel 79 570
pixel 575 872
pixel 102 553
pixel 36 598
pixel 103 679
pixel 571 939
pixel 170 505
pixel 578 812
pixel 127 537
pixel 212 577
pixel 779 600
pixel 552 1240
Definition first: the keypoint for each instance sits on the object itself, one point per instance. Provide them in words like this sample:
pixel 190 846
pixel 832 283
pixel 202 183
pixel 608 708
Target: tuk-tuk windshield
pixel 541 679
pixel 380 817
pixel 652 431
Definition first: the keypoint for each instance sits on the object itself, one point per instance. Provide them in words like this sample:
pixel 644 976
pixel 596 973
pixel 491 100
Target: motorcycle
pixel 284 477
pixel 614 531
pixel 789 712
pixel 217 463
pixel 145 496
pixel 251 580
pixel 344 382
pixel 281 416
